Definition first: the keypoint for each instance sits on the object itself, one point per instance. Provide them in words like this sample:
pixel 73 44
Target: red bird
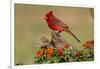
pixel 56 24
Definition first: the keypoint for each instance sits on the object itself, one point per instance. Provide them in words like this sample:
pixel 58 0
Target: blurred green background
pixel 30 27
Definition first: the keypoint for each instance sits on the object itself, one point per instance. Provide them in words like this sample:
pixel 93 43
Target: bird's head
pixel 48 15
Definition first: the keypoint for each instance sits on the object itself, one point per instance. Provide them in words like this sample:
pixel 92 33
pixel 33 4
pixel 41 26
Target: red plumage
pixel 56 24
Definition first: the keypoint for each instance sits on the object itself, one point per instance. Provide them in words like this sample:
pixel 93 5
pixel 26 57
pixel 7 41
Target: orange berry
pixel 92 41
pixel 50 51
pixel 66 46
pixel 39 53
pixel 78 54
pixel 48 56
pixel 87 44
pixel 59 52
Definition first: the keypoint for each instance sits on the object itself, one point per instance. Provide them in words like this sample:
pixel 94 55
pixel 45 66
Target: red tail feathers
pixel 73 36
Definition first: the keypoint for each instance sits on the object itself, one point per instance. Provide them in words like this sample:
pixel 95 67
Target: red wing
pixel 58 22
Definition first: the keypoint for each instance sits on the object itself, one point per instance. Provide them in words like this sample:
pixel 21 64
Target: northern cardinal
pixel 56 24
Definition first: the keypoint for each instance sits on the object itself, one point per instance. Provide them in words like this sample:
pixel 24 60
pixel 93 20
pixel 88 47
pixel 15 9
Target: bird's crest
pixel 49 13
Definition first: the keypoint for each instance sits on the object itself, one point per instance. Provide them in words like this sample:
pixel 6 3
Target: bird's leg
pixel 59 31
pixel 56 32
